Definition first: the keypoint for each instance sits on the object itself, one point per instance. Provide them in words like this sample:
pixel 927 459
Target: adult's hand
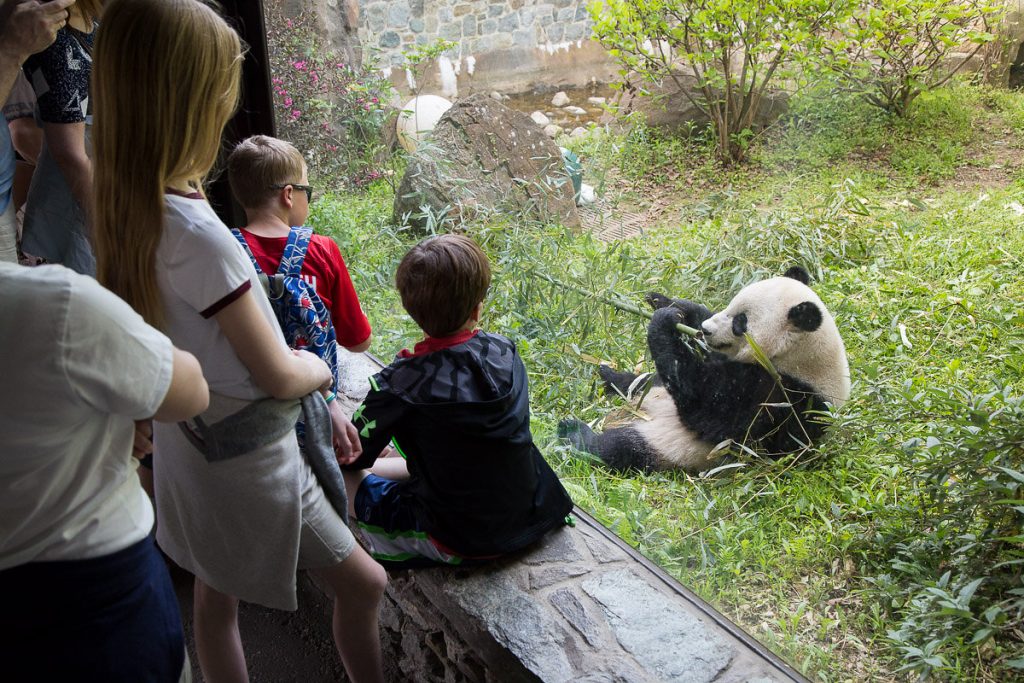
pixel 32 26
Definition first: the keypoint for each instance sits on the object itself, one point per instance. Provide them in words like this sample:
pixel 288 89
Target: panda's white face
pixel 791 325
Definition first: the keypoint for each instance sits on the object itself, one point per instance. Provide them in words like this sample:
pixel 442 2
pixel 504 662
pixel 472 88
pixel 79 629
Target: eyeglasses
pixel 308 189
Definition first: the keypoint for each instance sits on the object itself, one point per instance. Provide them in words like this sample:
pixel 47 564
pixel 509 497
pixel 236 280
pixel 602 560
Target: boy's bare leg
pixel 358 584
pixel 391 468
pixel 218 643
pixel 352 481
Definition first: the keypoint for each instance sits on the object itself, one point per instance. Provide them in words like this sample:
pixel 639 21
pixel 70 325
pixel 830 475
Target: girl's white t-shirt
pixel 201 268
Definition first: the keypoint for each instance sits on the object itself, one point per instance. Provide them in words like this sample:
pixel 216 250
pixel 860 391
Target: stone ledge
pixel 579 606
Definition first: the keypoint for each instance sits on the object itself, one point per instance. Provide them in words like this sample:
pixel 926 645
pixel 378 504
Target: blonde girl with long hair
pixel 242 517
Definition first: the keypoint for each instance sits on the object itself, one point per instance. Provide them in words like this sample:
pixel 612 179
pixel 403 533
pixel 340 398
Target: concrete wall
pixel 517 45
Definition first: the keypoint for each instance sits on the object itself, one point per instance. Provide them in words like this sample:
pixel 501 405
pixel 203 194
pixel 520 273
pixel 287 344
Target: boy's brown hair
pixel 259 163
pixel 441 280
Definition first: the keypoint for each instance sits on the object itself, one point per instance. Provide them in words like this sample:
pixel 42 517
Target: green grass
pixel 837 564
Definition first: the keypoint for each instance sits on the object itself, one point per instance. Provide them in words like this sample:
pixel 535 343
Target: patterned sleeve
pixel 350 324
pixel 59 75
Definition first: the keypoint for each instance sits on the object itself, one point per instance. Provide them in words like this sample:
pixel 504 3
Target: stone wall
pixel 478 26
pixel 515 45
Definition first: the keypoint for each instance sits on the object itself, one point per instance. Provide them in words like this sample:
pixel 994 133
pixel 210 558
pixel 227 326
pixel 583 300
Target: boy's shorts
pixel 392 533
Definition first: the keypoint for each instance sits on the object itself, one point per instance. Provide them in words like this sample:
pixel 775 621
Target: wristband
pixel 331 396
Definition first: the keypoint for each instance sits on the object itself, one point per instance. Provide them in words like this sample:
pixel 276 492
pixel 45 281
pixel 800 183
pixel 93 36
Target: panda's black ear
pixel 805 316
pixel 799 274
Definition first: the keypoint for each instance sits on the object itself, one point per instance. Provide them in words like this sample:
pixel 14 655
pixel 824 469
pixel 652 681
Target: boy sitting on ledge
pixel 472 485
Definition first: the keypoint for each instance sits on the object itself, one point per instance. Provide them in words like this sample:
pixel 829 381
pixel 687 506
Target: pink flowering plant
pixel 332 110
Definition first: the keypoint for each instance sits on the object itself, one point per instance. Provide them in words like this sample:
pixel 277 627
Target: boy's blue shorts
pixel 392 533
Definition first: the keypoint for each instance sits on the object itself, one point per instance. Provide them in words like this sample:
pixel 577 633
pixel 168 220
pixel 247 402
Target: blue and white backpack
pixel 300 311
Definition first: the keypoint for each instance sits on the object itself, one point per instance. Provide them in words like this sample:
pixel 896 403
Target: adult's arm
pixel 275 368
pixel 66 145
pixel 28 27
pixel 188 394
pixel 120 365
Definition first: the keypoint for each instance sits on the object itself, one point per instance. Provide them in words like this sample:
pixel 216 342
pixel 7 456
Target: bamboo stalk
pixel 617 303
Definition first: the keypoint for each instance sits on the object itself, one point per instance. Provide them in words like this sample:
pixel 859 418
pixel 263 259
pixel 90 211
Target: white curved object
pixel 418 118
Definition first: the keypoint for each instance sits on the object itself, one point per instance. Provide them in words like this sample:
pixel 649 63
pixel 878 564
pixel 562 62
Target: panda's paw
pixel 666 318
pixel 577 432
pixel 656 300
pixel 615 383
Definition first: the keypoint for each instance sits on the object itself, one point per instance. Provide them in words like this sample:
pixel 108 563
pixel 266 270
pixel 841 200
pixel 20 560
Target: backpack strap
pixel 295 251
pixel 245 245
pixel 265 280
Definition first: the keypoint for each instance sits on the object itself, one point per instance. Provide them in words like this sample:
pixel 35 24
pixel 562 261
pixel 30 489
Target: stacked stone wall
pixel 478 26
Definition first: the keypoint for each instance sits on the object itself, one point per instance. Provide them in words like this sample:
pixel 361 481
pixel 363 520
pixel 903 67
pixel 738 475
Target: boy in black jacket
pixel 456 408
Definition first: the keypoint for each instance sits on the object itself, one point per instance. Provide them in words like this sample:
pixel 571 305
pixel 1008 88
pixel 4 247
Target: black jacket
pixel 461 418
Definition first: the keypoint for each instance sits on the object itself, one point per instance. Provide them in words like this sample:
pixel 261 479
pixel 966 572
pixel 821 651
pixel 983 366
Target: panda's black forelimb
pixel 625 384
pixel 675 359
pixel 620 449
pixel 616 383
pixel 693 313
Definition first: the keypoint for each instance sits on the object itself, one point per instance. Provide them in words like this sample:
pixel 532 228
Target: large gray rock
pixel 1009 50
pixel 667 106
pixel 482 157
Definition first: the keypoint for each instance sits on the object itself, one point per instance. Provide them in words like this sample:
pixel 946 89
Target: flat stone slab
pixel 663 636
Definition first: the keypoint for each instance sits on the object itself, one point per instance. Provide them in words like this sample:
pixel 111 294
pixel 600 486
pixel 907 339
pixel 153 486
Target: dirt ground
pixel 280 647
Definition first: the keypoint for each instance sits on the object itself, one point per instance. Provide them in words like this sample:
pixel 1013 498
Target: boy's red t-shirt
pixel 324 269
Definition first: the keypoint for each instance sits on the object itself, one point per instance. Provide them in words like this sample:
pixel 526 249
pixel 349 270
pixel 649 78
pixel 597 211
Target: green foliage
pixel 421 54
pixel 416 59
pixel 723 55
pixel 332 111
pixel 891 51
pixel 897 553
pixel 956 576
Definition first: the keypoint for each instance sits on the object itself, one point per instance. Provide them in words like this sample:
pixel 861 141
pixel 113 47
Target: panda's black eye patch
pixel 805 316
pixel 739 324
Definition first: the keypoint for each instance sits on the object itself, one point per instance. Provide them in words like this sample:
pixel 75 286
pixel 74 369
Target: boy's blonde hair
pixel 441 280
pixel 260 163
pixel 165 82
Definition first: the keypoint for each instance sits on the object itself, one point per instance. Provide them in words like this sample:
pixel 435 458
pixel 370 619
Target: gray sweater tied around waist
pixel 265 421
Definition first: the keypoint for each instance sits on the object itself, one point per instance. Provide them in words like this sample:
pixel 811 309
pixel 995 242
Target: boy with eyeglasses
pixel 268 177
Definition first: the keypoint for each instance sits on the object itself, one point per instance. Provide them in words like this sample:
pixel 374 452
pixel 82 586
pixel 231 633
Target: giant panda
pixel 702 398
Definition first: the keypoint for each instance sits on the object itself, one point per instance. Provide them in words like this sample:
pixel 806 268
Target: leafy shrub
pixel 891 51
pixel 955 576
pixel 332 111
pixel 723 55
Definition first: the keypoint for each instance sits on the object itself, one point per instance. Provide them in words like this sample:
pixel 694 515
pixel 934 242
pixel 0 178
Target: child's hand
pixel 347 447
